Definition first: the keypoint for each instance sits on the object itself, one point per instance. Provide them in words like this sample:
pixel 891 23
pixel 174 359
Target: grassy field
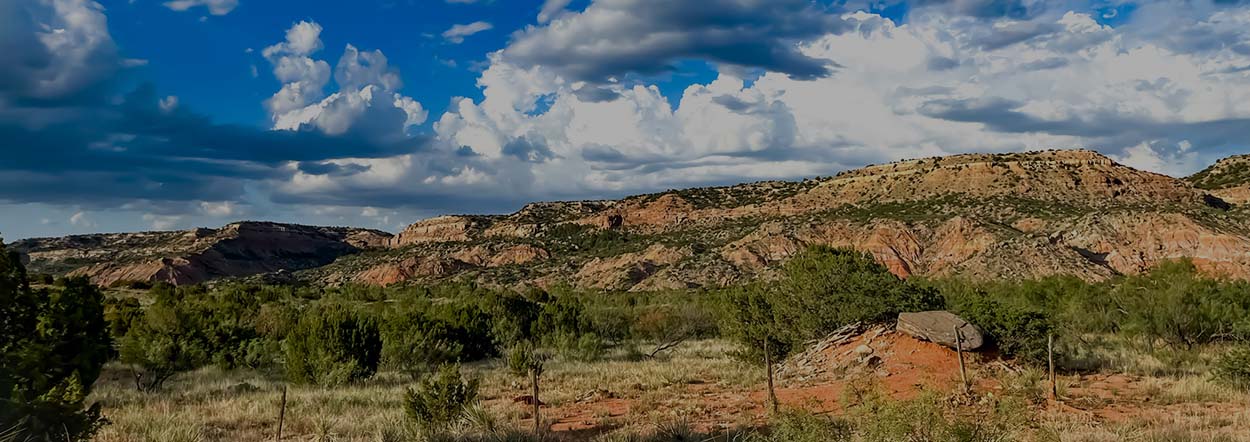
pixel 697 392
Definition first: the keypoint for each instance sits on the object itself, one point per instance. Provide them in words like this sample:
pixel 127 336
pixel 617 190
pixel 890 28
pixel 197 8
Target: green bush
pixel 825 288
pixel 414 344
pixel 751 318
pixel 807 427
pixel 821 290
pixel 53 344
pixel 441 399
pixel 167 340
pixel 332 345
pixel 880 419
pixel 585 348
pixel 1233 367
pixel 1175 305
pixel 1018 332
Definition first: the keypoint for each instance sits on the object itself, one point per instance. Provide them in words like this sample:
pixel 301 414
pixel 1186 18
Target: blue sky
pixel 161 114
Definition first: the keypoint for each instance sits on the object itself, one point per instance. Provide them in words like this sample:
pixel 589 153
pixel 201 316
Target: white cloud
pixel 951 83
pixel 1068 82
pixel 218 209
pixel 457 33
pixel 168 104
pixel 368 100
pixel 303 78
pixel 550 9
pixel 55 50
pixel 215 7
pixel 162 222
pixel 80 219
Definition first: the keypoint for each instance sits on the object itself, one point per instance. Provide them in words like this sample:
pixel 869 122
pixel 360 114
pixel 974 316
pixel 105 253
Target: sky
pixel 131 115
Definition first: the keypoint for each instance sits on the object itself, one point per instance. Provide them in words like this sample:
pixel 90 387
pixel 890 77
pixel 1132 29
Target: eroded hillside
pixel 980 215
pixel 197 255
pixel 1014 215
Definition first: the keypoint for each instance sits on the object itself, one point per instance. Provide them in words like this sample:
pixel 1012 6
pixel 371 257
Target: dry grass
pixel 662 397
pixel 211 404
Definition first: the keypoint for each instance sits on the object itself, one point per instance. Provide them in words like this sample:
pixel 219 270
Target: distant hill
pixel 197 255
pixel 978 215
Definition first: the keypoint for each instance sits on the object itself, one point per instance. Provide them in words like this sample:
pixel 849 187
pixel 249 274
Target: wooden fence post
pixel 282 413
pixel 959 350
pixel 537 419
pixel 768 362
pixel 1050 359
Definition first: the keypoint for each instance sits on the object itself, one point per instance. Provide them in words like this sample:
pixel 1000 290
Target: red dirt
pixel 821 381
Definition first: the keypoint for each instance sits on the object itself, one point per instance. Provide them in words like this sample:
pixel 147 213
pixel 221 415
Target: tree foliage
pixel 441 399
pixel 332 345
pixel 53 344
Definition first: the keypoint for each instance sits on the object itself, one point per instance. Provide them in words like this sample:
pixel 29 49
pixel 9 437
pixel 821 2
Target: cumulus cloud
pixel 74 137
pixel 367 103
pixel 550 9
pixel 54 53
pixel 1030 76
pixel 457 33
pixel 613 38
pixel 215 7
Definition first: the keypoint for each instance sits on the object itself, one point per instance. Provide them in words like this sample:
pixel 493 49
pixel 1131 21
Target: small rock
pixel 863 350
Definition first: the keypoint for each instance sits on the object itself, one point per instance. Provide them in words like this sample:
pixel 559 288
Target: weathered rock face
pixel 939 327
pixel 440 229
pixel 391 273
pixel 197 255
pixel 627 270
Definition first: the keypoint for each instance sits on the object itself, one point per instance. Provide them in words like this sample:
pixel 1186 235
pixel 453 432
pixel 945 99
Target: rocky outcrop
pixel 440 229
pixel 626 270
pixel 1133 242
pixel 197 255
pixel 417 267
pixel 939 327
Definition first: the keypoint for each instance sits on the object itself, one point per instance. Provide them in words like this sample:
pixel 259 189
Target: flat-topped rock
pixel 939 327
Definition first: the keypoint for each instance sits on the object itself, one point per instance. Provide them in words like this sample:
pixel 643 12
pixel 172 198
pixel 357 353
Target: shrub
pixel 924 419
pixel 512 317
pixel 1019 332
pixel 586 348
pixel 519 358
pixel 807 427
pixel 332 345
pixel 668 326
pixel 441 399
pixel 825 288
pixel 1233 367
pixel 413 343
pixel 167 340
pixel 1175 305
pixel 750 317
pixel 53 344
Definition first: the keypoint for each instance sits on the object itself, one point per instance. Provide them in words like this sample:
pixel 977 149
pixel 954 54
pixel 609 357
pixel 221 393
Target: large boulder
pixel 939 327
